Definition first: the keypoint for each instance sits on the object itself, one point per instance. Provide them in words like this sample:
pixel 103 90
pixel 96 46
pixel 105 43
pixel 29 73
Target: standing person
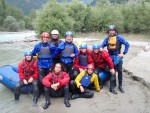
pixel 68 51
pixel 55 40
pixel 80 87
pixel 84 58
pixel 114 43
pixel 103 62
pixel 28 74
pixel 56 85
pixel 45 53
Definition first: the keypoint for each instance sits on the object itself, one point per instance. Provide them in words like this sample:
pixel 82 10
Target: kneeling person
pixel 103 62
pixel 80 87
pixel 56 85
pixel 28 74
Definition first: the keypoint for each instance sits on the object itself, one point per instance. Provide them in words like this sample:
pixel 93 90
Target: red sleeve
pixel 35 75
pixel 21 71
pixel 108 59
pixel 90 61
pixel 76 64
pixel 46 80
pixel 65 79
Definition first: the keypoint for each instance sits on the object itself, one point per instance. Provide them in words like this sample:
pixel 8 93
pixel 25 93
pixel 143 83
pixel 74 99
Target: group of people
pixel 61 69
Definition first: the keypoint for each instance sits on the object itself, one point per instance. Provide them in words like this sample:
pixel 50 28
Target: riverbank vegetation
pixel 129 17
pixel 13 19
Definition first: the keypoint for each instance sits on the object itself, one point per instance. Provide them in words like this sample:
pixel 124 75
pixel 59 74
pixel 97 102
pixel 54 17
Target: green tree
pixel 14 27
pixel 32 14
pixel 21 24
pixel 53 16
pixel 8 21
pixel 28 22
pixel 2 11
pixel 76 11
pixel 12 24
pixel 15 12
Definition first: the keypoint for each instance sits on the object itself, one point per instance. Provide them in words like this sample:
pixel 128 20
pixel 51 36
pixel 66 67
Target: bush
pixel 14 27
pixel 11 24
pixel 8 21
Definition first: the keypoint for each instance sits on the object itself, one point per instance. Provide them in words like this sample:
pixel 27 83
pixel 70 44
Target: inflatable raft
pixel 9 77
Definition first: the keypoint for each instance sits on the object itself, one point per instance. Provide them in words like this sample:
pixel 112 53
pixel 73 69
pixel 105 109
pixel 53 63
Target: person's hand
pixel 81 89
pixel 72 55
pixel 112 71
pixel 55 86
pixel 101 91
pixel 101 49
pixel 80 69
pixel 30 80
pixel 25 81
pixel 120 55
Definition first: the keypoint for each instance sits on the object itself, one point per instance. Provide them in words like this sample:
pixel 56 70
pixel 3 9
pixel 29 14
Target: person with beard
pixel 114 43
pixel 55 40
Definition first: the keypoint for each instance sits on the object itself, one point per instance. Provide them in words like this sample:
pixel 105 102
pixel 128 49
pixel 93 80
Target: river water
pixel 135 100
pixel 10 52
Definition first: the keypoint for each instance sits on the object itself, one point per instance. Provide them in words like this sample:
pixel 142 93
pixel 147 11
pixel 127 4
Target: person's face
pixel 112 32
pixel 83 50
pixel 69 38
pixel 89 71
pixel 28 57
pixel 55 36
pixel 45 39
pixel 96 50
pixel 57 68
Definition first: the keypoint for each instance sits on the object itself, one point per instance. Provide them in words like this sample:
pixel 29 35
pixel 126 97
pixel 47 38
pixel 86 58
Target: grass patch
pixel 133 37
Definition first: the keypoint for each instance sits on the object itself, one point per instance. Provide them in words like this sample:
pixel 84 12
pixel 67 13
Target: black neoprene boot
pixel 66 102
pixel 121 89
pixel 47 103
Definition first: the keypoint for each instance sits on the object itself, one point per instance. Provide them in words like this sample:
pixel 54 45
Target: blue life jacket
pixel 85 81
pixel 83 60
pixel 68 50
pixel 44 52
pixel 116 59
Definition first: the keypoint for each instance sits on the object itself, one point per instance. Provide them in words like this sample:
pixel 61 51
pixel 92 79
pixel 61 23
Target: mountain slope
pixel 26 5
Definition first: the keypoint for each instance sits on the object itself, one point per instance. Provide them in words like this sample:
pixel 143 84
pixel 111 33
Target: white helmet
pixel 55 32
